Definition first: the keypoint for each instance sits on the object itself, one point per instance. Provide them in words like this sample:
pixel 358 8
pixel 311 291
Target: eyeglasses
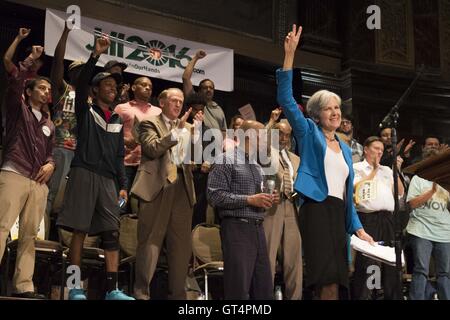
pixel 346 122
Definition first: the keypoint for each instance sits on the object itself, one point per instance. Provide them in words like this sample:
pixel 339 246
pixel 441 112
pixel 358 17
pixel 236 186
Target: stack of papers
pixel 378 252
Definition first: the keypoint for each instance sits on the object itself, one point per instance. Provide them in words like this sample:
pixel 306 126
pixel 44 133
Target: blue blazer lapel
pixel 323 142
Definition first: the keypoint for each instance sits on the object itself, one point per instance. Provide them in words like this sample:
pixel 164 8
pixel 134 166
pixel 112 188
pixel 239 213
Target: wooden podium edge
pixel 435 168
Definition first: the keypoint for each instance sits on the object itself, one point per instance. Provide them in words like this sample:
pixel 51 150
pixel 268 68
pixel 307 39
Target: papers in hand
pixel 378 252
pixel 247 112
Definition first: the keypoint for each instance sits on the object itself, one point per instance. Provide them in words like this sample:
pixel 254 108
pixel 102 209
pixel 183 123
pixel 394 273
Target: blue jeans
pixel 422 250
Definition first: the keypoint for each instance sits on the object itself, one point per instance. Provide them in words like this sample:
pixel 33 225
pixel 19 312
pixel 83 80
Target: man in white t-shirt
pixel 374 201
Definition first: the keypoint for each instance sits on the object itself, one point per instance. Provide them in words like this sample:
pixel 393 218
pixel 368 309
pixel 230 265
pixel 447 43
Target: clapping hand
pixel 184 118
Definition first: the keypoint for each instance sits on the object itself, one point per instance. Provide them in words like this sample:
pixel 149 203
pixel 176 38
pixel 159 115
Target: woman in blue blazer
pixel 324 180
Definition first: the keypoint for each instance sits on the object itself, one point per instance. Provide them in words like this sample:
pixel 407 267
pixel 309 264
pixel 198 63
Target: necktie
pixel 171 124
pixel 172 169
pixel 287 181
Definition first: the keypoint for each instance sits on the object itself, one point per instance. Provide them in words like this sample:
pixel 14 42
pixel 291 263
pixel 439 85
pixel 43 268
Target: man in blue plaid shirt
pixel 235 190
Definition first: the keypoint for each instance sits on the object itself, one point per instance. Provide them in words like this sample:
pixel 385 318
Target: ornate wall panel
pixel 320 20
pixel 426 33
pixel 444 28
pixel 395 40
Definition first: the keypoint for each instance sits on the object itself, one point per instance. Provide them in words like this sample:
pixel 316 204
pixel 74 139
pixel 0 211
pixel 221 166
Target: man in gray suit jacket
pixel 165 189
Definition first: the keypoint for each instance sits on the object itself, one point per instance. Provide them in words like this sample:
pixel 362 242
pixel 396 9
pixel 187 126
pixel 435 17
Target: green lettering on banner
pixel 120 45
pixel 169 53
pixel 136 54
pixel 112 47
pixel 176 61
pixel 91 47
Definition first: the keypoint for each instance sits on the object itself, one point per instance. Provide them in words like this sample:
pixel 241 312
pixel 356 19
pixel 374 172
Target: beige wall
pixel 245 45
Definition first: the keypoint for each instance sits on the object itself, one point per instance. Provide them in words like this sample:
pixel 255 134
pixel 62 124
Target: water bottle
pixel 278 293
pixel 122 202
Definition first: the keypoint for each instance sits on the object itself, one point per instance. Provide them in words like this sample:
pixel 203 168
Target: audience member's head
pixel 373 150
pixel 324 107
pixel 255 137
pixel 385 135
pixel 197 102
pixel 284 131
pixel 206 88
pixel 104 86
pixel 172 103
pixel 346 125
pixel 114 66
pixel 236 122
pixel 142 89
pixel 430 146
pixel 37 92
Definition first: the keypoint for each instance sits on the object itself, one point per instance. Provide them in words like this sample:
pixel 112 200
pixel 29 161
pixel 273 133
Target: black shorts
pixel 90 203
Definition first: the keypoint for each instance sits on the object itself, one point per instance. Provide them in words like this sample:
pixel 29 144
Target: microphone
pixel 388 118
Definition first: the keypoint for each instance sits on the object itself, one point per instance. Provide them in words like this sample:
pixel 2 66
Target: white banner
pixel 176 53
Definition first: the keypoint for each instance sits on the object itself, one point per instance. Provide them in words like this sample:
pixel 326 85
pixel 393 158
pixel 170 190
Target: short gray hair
pixel 318 101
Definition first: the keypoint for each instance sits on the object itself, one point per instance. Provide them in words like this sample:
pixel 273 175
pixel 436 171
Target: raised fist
pixel 101 45
pixel 36 52
pixel 23 33
pixel 200 54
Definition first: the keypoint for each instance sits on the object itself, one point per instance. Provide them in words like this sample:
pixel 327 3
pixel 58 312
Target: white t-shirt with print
pixel 432 220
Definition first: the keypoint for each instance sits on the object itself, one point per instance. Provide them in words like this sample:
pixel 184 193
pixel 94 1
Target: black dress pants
pixel 247 272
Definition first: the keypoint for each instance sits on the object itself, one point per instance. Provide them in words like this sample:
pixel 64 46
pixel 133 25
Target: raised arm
pixel 9 54
pixel 57 72
pixel 16 82
pixel 274 116
pixel 285 96
pixel 187 74
pixel 82 86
